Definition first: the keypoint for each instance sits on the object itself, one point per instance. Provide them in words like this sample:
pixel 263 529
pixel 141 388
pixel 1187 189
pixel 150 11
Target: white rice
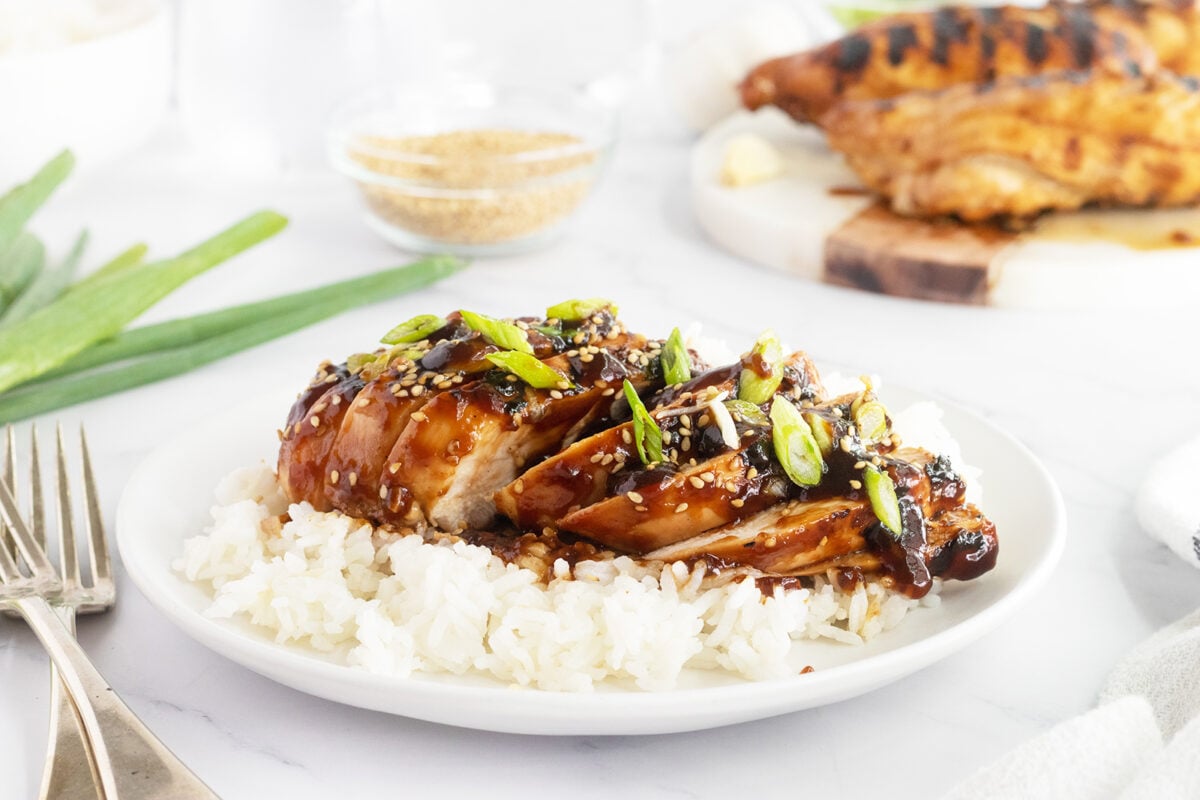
pixel 401 604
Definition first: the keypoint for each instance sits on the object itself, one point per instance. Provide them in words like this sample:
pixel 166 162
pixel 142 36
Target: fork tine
pixel 66 526
pixel 35 556
pixel 37 513
pixel 10 477
pixel 97 543
pixel 8 567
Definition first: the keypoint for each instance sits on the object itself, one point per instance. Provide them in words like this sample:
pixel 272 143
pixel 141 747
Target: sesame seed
pixel 444 385
pixel 518 486
pixel 737 502
pixel 296 428
pixel 333 476
pixel 609 392
pixel 383 493
pixel 855 484
pixel 771 541
pixel 730 486
pixel 859 464
pixel 595 459
pixel 353 478
pixel 708 477
pixel 837 412
pixel 626 436
pixel 315 422
pixel 752 473
pixel 417 391
pixel 704 420
pixel 556 394
pixel 608 459
pixel 682 507
pixel 563 385
pixel 634 497
pixel 641 508
pixel 419 416
pixel 694 481
pixel 394 467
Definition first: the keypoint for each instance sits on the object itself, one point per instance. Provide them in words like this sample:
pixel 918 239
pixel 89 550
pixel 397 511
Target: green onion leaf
pixel 312 305
pixel 646 433
pixel 795 446
pixel 45 287
pixel 504 335
pixel 747 412
pixel 871 420
pixel 676 362
pixel 22 201
pixel 576 310
pixel 882 492
pixel 530 370
pixel 417 329
pixel 79 319
pixel 765 356
pixel 20 265
pixel 126 260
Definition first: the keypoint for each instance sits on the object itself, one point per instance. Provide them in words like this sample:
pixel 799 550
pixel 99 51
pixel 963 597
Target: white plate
pixel 169 496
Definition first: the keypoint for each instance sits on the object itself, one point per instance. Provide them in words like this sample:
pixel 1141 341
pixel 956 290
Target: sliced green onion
pixel 754 387
pixel 576 310
pixel 881 490
pixel 48 285
pixel 530 370
pixel 77 320
pixel 22 201
pixel 871 420
pixel 795 446
pixel 646 433
pixel 822 431
pixel 417 329
pixel 676 362
pixel 747 412
pixel 504 335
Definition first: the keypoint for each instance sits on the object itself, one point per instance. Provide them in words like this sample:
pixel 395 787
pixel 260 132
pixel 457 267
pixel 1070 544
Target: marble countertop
pixel 1098 396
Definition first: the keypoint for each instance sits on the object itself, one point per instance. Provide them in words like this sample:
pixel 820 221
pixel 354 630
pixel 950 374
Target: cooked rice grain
pixel 398 604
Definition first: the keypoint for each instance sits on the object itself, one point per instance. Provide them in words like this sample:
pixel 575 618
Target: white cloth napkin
pixel 1143 742
pixel 1168 505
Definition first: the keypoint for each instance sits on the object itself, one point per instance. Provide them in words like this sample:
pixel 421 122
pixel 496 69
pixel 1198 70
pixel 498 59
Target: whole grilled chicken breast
pixel 965 45
pixel 1022 146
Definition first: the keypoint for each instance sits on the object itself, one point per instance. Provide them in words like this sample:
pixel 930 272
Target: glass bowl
pixel 472 169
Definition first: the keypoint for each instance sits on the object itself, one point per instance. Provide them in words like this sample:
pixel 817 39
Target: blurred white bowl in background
pixel 93 77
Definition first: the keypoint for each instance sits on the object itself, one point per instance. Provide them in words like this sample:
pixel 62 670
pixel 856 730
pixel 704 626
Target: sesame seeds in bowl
pixel 472 169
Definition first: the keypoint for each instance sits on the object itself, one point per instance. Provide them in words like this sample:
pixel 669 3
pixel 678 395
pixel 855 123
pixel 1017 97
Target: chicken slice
pixel 307 441
pixel 468 442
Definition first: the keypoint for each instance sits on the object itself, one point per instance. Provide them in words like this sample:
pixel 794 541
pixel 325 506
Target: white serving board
pixel 785 223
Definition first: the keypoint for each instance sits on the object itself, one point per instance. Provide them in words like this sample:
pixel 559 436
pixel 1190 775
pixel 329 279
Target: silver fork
pixel 70 772
pixel 130 762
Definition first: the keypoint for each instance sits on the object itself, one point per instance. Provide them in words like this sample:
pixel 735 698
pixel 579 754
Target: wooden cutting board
pixel 812 222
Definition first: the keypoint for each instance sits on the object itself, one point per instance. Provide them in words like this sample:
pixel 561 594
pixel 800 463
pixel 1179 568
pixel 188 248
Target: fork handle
pixel 70 772
pixel 133 764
